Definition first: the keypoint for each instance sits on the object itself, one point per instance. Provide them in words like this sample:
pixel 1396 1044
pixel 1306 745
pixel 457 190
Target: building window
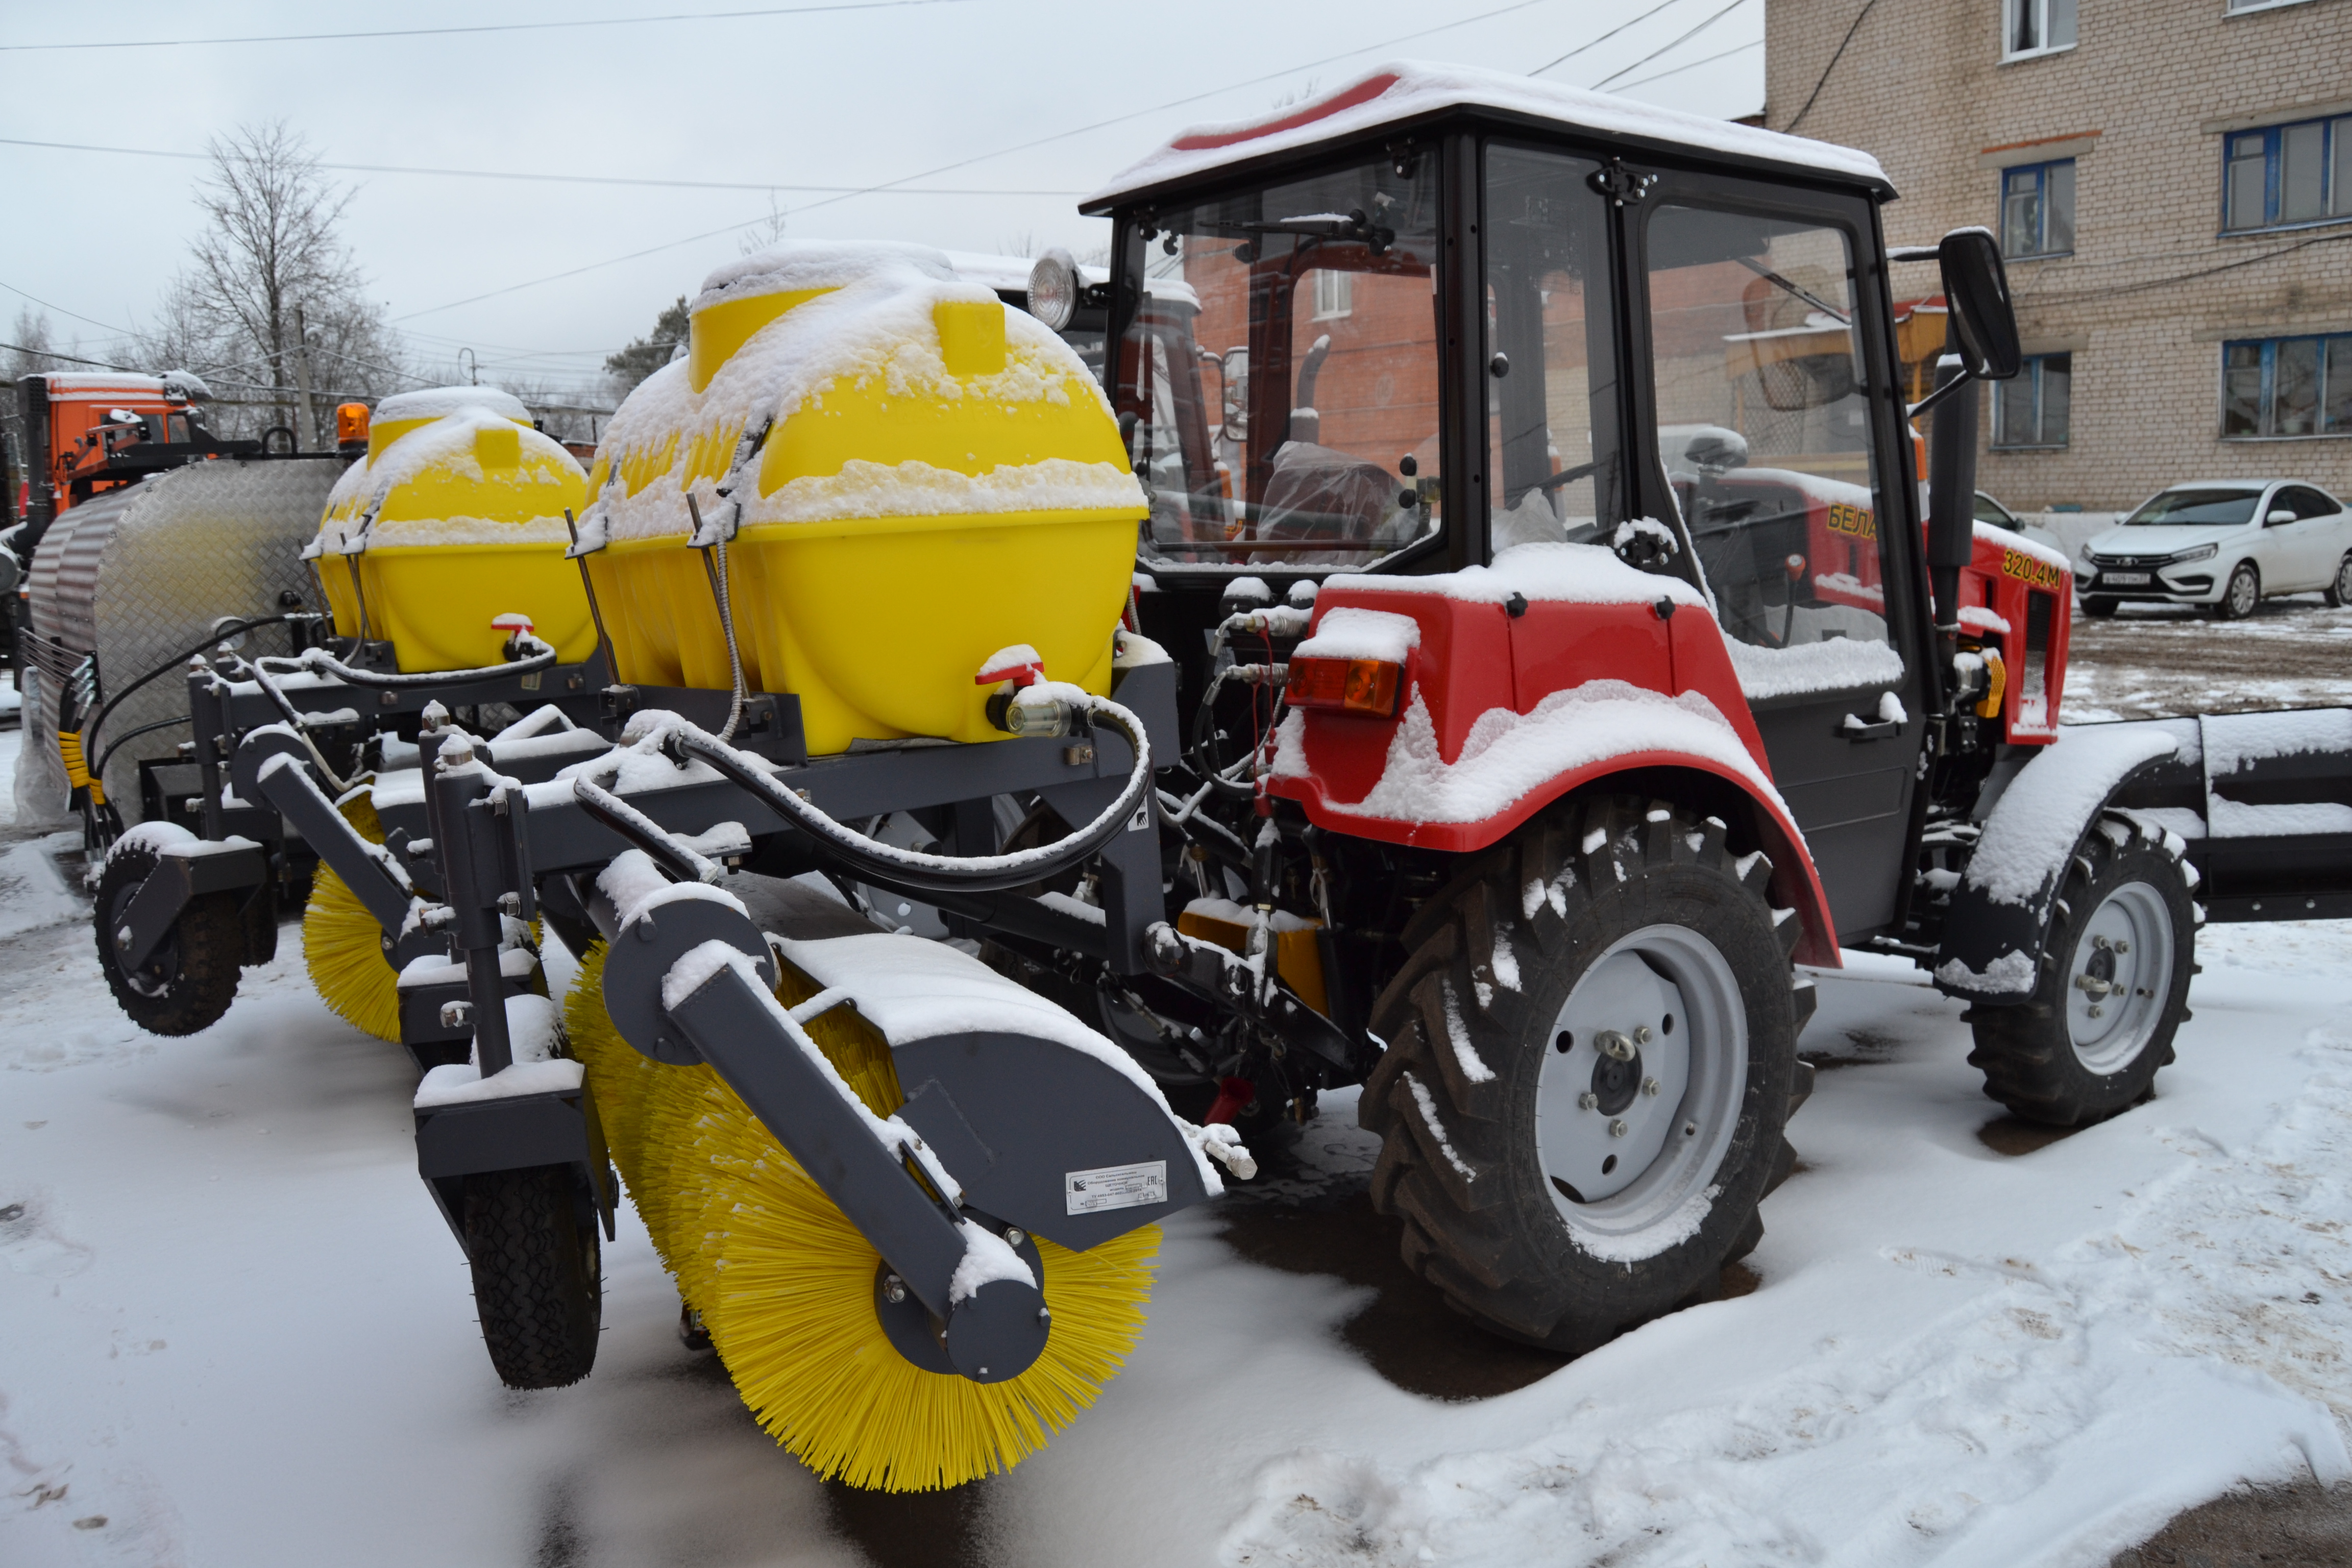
pixel 2035 27
pixel 2235 6
pixel 2036 408
pixel 2037 209
pixel 2284 174
pixel 1335 293
pixel 2286 387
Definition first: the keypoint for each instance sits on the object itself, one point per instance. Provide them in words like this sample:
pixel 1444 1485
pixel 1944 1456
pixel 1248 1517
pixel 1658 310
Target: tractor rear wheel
pixel 1590 1058
pixel 2114 984
pixel 538 1266
pixel 190 979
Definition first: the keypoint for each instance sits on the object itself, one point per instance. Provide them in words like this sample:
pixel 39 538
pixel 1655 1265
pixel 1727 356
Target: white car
pixel 2225 545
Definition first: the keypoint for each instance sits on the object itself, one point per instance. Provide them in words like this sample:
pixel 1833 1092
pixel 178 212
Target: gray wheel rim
pixel 1632 1167
pixel 2244 591
pixel 2120 978
pixel 2344 580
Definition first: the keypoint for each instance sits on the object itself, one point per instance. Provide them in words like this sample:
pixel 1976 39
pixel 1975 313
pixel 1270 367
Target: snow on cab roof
pixel 1404 89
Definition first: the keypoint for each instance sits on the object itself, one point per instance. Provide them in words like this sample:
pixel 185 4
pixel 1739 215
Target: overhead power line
pixel 1677 43
pixel 539 175
pixel 478 27
pixel 1692 65
pixel 984 157
pixel 1594 43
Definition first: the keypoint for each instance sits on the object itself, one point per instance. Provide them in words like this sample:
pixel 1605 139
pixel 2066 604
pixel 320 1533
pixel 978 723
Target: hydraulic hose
pixel 229 628
pixel 868 860
pixel 318 659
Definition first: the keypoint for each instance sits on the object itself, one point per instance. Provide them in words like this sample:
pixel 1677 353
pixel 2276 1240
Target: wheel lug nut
pixel 2123 947
pixel 1587 1101
pixel 2095 1010
pixel 1650 1086
pixel 1641 1034
pixel 1617 1128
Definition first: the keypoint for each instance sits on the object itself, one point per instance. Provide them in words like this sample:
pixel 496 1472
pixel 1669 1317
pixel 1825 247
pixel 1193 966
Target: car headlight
pixel 2200 552
pixel 1053 288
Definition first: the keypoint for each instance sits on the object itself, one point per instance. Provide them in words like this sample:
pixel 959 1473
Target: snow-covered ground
pixel 234 1331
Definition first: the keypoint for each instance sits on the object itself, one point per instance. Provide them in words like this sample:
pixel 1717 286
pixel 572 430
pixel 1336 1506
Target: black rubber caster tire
pixel 2037 1058
pixel 190 979
pixel 533 1241
pixel 1476 1149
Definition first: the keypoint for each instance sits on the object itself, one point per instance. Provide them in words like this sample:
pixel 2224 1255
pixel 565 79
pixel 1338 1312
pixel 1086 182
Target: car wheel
pixel 2339 592
pixel 2099 609
pixel 2243 593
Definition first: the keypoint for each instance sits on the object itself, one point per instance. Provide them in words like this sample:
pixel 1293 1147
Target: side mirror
pixel 2278 514
pixel 1984 320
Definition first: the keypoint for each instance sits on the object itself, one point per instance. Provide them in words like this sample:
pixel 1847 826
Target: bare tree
pixel 271 256
pixel 766 233
pixel 30 343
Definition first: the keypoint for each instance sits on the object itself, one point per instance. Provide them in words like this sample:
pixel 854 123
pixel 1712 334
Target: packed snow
pixel 241 1332
pixel 1346 632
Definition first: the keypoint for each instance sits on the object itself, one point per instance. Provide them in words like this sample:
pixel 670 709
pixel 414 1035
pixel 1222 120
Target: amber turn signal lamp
pixel 1366 686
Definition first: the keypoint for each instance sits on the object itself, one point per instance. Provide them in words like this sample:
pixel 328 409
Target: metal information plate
pixel 1116 1187
pixel 2127 579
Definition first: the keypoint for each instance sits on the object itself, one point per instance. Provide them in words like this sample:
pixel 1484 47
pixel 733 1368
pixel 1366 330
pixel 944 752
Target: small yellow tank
pixel 921 478
pixel 453 519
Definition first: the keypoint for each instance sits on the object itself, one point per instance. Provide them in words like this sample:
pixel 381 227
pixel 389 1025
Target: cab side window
pixel 1764 435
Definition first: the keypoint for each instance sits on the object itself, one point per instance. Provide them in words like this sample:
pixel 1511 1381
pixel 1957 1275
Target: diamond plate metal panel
pixel 149 570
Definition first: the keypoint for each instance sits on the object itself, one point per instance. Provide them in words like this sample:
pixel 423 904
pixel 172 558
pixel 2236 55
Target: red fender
pixel 1473 656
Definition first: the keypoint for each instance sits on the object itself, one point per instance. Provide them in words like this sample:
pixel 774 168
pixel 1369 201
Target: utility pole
pixel 302 379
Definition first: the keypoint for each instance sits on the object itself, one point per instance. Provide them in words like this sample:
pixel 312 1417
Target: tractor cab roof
pixel 1414 92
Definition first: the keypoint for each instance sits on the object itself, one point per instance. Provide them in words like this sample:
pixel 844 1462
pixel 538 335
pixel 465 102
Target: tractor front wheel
pixel 538 1266
pixel 2113 988
pixel 190 979
pixel 1592 1057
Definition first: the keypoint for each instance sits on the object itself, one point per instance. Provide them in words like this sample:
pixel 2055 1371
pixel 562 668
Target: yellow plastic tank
pixel 920 478
pixel 453 518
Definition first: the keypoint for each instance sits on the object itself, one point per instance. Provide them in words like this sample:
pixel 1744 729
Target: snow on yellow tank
pixel 920 478
pixel 454 519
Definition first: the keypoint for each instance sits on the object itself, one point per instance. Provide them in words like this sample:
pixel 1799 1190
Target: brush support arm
pixel 993 1326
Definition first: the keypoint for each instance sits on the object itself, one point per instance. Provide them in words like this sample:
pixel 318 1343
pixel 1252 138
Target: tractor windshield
pixel 1281 373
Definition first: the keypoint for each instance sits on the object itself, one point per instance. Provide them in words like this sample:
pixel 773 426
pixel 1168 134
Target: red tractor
pixel 1569 654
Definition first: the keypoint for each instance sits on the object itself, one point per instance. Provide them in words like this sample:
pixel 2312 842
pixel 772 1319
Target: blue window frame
pixel 2280 176
pixel 2037 209
pixel 2036 407
pixel 2275 387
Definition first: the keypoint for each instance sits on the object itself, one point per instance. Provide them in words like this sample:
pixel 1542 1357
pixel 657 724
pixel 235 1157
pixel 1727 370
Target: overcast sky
pixel 840 97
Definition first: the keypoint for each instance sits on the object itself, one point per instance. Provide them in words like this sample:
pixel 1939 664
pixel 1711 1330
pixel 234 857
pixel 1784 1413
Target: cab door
pixel 1763 371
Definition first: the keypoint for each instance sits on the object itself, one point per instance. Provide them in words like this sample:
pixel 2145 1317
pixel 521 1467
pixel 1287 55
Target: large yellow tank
pixel 940 479
pixel 455 518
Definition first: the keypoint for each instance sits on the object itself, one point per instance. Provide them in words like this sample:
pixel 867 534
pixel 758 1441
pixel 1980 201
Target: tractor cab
pixel 1452 322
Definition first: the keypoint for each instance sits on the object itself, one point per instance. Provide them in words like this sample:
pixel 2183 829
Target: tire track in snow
pixel 2064 1411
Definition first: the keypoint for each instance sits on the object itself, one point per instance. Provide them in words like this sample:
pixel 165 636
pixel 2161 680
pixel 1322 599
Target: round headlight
pixel 1053 288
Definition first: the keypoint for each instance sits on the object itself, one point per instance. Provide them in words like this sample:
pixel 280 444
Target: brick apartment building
pixel 2172 183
